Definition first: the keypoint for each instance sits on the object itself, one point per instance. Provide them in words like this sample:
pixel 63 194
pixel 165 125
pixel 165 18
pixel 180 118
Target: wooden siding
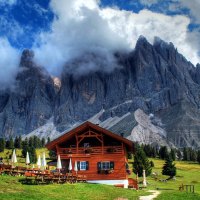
pixel 119 172
pixel 101 142
pixel 81 151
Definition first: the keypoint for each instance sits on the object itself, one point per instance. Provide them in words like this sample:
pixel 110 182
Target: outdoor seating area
pixel 48 177
pixel 41 175
pixel 10 170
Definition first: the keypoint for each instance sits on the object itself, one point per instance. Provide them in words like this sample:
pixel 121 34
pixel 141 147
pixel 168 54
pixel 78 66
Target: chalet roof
pixel 68 135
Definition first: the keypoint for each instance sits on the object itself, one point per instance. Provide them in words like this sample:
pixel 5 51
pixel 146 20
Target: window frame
pixel 107 167
pixel 85 165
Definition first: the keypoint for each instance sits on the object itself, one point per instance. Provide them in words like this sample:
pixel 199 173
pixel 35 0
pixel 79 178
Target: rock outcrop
pixel 153 78
pixel 30 103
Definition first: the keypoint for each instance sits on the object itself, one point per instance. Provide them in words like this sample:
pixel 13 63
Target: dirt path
pixel 150 197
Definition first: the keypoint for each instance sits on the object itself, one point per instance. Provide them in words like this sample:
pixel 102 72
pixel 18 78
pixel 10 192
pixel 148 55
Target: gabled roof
pixel 68 135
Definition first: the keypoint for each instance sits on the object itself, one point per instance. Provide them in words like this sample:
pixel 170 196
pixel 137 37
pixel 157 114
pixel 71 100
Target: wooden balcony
pixel 87 152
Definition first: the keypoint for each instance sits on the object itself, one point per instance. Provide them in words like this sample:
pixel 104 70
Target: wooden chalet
pixel 100 154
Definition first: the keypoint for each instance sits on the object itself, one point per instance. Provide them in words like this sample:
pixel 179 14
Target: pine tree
pixel 179 155
pixel 147 149
pixel 193 155
pixel 52 154
pixel 163 153
pixel 154 152
pixel 141 163
pixel 25 146
pixel 198 156
pixel 186 154
pixel 169 168
pixel 43 142
pixel 20 142
pixel 31 142
pixel 17 142
pixel 2 144
pixel 10 143
pixel 48 140
pixel 32 154
pixel 173 154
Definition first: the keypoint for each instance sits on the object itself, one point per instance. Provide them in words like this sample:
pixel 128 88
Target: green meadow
pixel 188 173
pixel 12 189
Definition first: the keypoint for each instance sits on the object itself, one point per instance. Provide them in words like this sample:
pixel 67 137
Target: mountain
pixel 151 96
pixel 30 103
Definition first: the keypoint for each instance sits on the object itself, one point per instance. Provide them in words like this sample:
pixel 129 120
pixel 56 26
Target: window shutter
pixel 112 165
pixel 99 165
pixel 87 165
pixel 78 165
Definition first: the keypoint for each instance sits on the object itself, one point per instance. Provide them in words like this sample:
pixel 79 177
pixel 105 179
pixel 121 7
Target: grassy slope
pixel 187 173
pixel 12 189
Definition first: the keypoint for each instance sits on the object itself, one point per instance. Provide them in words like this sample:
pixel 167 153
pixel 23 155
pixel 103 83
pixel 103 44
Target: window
pixel 86 145
pixel 83 165
pixel 105 165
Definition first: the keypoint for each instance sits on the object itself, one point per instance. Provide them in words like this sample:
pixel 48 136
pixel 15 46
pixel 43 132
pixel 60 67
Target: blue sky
pixel 60 30
pixel 29 18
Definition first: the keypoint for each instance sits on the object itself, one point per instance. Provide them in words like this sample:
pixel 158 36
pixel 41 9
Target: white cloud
pixel 194 7
pixel 82 26
pixel 79 28
pixel 149 2
pixel 149 24
pixel 9 63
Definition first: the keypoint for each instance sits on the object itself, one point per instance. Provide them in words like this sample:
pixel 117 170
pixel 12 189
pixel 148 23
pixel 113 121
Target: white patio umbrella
pixel 144 179
pixel 70 164
pixel 13 158
pixel 39 162
pixel 59 164
pixel 43 161
pixel 75 167
pixel 27 158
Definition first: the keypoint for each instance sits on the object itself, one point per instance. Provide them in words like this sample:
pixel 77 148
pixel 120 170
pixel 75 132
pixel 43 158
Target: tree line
pixel 27 145
pixel 141 161
pixel 144 152
pixel 185 154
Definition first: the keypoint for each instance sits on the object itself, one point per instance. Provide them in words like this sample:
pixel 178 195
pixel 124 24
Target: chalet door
pixel 65 165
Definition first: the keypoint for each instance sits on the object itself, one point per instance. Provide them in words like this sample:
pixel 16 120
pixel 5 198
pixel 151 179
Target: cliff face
pixel 30 103
pixel 153 78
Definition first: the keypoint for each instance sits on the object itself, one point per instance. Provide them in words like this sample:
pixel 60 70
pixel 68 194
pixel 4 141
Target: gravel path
pixel 150 197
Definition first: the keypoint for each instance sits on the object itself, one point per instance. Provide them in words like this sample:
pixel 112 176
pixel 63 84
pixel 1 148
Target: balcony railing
pixel 91 150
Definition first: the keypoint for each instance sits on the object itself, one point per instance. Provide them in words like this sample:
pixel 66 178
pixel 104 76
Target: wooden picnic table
pixel 55 177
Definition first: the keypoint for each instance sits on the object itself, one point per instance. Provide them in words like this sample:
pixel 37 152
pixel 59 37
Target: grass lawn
pixel 187 173
pixel 12 189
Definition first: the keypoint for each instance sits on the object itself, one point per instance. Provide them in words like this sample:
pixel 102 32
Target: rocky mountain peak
pixel 151 78
pixel 142 43
pixel 27 58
